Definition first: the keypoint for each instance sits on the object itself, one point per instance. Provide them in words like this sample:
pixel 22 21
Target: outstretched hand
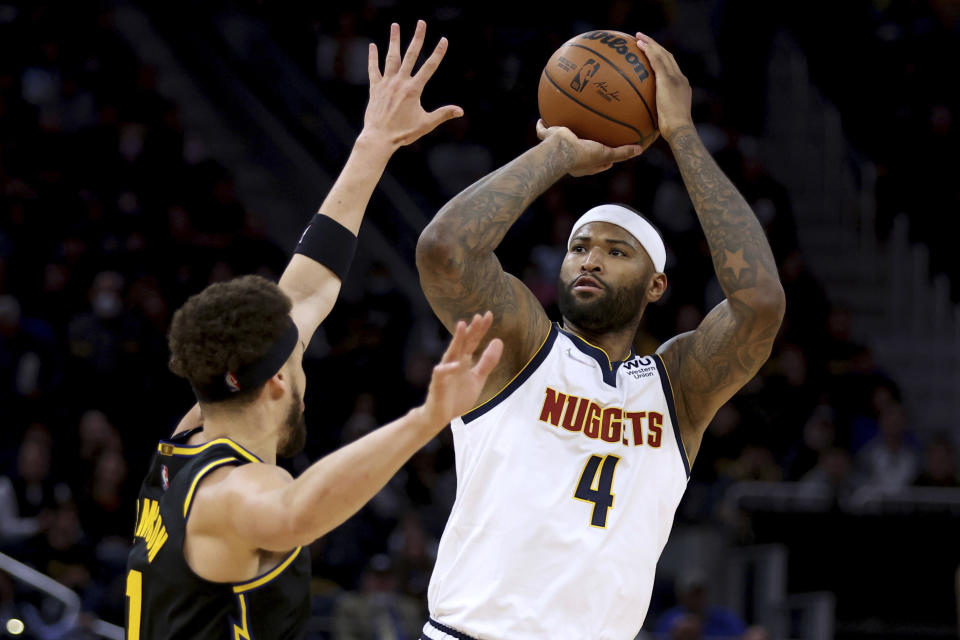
pixel 674 95
pixel 394 113
pixel 589 156
pixel 458 380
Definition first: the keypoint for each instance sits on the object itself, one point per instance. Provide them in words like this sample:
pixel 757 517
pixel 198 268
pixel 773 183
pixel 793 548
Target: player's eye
pixel 617 252
pixel 577 248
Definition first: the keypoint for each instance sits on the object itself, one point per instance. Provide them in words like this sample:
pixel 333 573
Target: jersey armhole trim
pixel 188 501
pixel 528 369
pixel 668 393
pixel 167 448
pixel 259 581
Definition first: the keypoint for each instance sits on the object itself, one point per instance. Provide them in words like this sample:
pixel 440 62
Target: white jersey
pixel 567 485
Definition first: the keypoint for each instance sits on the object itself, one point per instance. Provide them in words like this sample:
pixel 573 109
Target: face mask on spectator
pixel 107 305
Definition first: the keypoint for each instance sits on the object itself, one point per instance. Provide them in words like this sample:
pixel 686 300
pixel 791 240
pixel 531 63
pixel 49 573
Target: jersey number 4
pixel 596 486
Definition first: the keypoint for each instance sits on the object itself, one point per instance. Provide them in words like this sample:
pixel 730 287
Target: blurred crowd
pixel 884 64
pixel 111 214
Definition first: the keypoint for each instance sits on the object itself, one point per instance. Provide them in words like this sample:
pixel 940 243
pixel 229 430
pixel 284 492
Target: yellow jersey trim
pixel 522 369
pixel 242 632
pixel 270 575
pixel 197 478
pixel 170 449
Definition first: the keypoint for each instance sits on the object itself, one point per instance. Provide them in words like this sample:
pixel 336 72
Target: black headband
pixel 252 375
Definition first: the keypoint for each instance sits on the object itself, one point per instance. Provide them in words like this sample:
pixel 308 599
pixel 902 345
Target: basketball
pixel 600 85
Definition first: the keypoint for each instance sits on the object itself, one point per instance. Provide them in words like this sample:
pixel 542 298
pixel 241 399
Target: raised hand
pixel 458 380
pixel 394 113
pixel 674 95
pixel 589 156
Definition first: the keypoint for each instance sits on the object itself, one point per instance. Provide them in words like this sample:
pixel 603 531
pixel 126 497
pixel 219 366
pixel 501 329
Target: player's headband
pixel 254 374
pixel 645 233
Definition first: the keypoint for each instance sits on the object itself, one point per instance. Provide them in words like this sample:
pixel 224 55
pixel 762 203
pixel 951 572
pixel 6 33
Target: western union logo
pixel 150 528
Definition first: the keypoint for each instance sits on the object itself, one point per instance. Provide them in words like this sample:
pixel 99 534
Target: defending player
pixel 571 469
pixel 220 534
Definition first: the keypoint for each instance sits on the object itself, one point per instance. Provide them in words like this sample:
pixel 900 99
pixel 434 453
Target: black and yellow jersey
pixel 166 599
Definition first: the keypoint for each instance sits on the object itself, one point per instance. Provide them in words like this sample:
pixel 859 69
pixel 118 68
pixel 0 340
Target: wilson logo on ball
pixel 619 45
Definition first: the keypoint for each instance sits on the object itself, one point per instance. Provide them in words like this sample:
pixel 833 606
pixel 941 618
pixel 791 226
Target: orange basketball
pixel 600 85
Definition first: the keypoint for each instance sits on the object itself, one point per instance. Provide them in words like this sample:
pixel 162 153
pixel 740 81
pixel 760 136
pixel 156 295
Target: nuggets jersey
pixel 166 599
pixel 567 485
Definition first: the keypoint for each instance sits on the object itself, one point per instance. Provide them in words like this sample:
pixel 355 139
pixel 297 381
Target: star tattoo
pixel 734 261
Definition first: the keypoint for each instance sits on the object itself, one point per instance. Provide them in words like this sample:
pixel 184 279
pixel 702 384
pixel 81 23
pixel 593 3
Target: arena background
pixel 148 149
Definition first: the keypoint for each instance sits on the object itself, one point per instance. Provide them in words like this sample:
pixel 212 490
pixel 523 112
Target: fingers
pixel 627 151
pixel 544 130
pixel 455 349
pixel 659 58
pixel 438 116
pixel 430 64
pixel 373 65
pixel 392 63
pixel 476 330
pixel 413 49
pixel 466 339
pixel 541 129
pixel 489 359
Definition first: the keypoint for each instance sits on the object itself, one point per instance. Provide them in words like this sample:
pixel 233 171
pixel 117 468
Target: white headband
pixel 645 233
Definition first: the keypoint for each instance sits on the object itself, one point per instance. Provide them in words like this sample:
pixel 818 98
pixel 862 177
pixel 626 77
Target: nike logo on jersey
pixel 573 356
pixel 583 415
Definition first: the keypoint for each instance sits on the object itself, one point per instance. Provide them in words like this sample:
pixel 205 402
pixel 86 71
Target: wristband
pixel 329 243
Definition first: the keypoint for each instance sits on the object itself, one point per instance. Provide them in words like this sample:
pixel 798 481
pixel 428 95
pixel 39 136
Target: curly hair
pixel 225 327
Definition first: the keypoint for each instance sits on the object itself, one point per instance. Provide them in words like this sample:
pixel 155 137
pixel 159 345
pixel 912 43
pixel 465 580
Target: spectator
pixel 694 617
pixel 379 611
pixel 940 464
pixel 833 472
pixel 686 627
pixel 756 633
pixel 819 433
pixel 458 162
pixel 342 56
pixel 414 552
pixel 28 364
pixel 889 461
pixel 29 496
pixel 756 463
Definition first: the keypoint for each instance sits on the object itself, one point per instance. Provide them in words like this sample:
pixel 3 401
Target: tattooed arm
pixel 707 366
pixel 459 271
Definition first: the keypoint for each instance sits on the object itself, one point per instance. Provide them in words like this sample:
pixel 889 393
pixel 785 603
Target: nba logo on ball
pixel 599 85
pixel 231 381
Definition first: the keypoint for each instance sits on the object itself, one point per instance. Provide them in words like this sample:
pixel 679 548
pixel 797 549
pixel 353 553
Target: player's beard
pixel 295 429
pixel 603 313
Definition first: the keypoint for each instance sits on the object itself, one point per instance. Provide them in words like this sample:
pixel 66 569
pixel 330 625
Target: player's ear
pixel 658 287
pixel 277 385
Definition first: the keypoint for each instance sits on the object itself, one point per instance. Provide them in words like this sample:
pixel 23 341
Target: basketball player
pixel 221 530
pixel 570 470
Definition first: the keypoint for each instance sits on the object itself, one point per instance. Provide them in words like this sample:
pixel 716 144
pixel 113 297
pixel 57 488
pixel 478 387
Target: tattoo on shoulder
pixel 730 346
pixel 471 226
